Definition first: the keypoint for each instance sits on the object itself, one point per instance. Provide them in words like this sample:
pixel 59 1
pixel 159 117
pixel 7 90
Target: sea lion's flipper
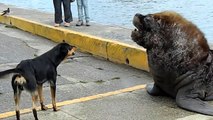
pixel 193 103
pixel 154 90
pixel 208 98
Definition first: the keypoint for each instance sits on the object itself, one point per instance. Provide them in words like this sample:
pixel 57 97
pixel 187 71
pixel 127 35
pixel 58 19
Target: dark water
pixel 120 12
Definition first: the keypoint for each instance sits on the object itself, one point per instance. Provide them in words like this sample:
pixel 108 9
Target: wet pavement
pixel 88 88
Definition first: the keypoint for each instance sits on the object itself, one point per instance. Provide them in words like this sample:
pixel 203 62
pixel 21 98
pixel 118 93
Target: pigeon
pixel 5 12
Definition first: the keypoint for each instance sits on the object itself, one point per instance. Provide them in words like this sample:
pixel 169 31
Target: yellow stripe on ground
pixel 79 100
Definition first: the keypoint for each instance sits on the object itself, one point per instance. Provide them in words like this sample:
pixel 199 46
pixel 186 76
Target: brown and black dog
pixel 30 74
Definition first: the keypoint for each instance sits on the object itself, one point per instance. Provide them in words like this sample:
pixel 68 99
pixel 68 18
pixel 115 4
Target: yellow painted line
pixel 79 100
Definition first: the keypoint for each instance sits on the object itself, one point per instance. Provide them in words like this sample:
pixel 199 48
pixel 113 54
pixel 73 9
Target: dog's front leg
pixel 53 90
pixel 40 94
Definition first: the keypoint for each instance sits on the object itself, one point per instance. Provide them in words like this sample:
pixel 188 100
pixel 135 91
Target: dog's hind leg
pixel 17 95
pixel 34 100
pixel 17 89
pixel 31 86
pixel 41 98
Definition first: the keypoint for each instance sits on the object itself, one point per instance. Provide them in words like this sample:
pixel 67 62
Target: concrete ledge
pixel 127 54
pixel 112 50
pixel 88 43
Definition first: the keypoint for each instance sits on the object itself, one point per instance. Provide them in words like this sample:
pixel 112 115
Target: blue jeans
pixel 82 5
pixel 58 12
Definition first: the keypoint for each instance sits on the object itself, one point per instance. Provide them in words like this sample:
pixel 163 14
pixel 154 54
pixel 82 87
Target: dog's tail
pixel 18 81
pixel 3 73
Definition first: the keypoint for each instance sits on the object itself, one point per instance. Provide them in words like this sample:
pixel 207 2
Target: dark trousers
pixel 58 11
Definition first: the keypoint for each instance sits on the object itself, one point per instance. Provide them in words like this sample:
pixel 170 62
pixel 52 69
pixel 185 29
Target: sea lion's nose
pixel 138 15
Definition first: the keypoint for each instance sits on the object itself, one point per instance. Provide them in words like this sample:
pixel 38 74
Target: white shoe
pixel 56 25
pixel 79 23
pixel 87 23
pixel 66 24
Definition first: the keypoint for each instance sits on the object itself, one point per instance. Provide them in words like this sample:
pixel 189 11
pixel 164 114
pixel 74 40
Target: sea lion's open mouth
pixel 137 33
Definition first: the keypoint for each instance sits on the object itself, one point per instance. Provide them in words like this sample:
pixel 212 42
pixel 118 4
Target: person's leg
pixel 58 12
pixel 86 11
pixel 80 13
pixel 67 11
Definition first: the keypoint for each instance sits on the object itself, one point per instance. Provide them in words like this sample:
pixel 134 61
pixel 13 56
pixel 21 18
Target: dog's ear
pixel 63 50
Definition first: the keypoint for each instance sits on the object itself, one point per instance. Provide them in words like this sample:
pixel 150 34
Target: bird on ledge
pixel 5 12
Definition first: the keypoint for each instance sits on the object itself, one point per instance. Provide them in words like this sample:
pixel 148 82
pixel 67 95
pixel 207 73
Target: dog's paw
pixel 44 108
pixel 55 109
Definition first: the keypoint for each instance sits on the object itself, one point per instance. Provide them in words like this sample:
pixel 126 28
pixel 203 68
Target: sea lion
pixel 179 59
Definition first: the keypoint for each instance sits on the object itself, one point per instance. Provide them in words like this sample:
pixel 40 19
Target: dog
pixel 30 75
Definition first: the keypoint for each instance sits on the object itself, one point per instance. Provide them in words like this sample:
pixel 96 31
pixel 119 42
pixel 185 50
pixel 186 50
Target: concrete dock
pixel 102 85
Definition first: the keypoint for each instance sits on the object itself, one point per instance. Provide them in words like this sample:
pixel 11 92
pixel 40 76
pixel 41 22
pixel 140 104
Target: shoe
pixel 66 24
pixel 79 23
pixel 87 23
pixel 56 25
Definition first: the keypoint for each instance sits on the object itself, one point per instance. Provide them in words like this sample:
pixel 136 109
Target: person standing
pixel 58 12
pixel 82 6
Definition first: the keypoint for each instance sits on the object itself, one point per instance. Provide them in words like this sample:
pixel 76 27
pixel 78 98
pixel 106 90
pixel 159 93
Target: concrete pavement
pixel 88 88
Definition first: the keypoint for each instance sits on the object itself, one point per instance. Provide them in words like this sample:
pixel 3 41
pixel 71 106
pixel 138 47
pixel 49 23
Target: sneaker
pixel 79 23
pixel 66 24
pixel 87 23
pixel 56 25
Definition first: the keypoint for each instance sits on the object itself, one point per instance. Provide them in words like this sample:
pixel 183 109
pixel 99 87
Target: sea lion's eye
pixel 147 19
pixel 159 21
